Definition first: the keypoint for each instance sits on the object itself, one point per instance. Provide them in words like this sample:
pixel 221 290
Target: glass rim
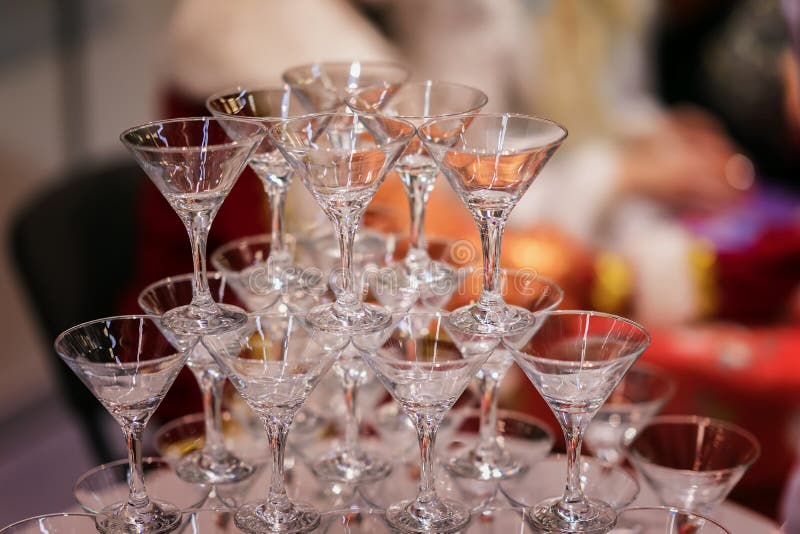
pixel 471 111
pixel 118 318
pixel 116 463
pixel 545 316
pixel 531 118
pixel 262 119
pixel 274 131
pixel 370 63
pixel 239 243
pixel 652 371
pixel 255 137
pixel 67 515
pixel 673 509
pixel 689 419
pixel 177 278
pixel 519 416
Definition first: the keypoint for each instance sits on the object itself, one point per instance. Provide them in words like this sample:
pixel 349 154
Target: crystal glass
pixel 575 360
pixel 107 484
pixel 692 462
pixel 491 161
pixel 418 102
pixel 425 373
pixel 614 485
pixel 268 106
pixel 275 361
pixel 128 364
pixel 640 395
pixel 327 85
pixel 657 520
pixel 195 163
pixel 214 463
pixel 342 167
pixel 53 524
pixel 488 458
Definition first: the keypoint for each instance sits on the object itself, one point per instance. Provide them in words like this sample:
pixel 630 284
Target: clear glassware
pixel 268 106
pixel 658 520
pixel 342 159
pixel 416 103
pixel 194 163
pixel 214 463
pixel 275 361
pixel 491 161
pixel 575 360
pixel 640 395
pixel 692 462
pixel 107 484
pixel 128 364
pixel 53 524
pixel 425 373
pixel 489 459
pixel 327 84
pixel 613 485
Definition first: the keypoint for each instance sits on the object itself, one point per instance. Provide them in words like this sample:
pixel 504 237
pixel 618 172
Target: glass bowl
pixel 663 520
pixel 107 484
pixel 53 524
pixel 612 484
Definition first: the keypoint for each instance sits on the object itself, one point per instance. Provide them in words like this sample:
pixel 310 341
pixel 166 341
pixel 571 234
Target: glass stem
pixel 418 193
pixel 350 388
pixel 488 424
pixel 198 224
pixel 347 298
pixel 137 493
pixel 573 494
pixel 426 434
pixel 211 385
pixel 491 228
pixel 277 430
pixel 277 203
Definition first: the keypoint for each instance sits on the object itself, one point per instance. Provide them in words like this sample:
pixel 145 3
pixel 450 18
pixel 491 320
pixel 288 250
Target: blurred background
pixel 675 200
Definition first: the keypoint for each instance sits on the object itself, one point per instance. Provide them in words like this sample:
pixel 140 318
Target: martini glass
pixel 326 85
pixel 275 362
pixel 575 360
pixel 416 103
pixel 195 163
pixel 491 161
pixel 425 373
pixel 267 106
pixel 214 463
pixel 342 159
pixel 489 459
pixel 692 462
pixel 640 395
pixel 658 520
pixel 129 365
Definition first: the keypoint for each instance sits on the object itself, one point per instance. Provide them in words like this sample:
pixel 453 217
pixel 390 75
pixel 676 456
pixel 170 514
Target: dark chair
pixel 74 249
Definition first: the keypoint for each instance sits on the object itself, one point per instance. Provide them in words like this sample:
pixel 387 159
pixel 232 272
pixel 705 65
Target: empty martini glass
pixel 640 395
pixel 267 106
pixel 488 459
pixel 418 102
pixel 327 85
pixel 692 462
pixel 275 361
pixel 214 463
pixel 128 364
pixel 194 163
pixel 342 166
pixel 575 360
pixel 491 161
pixel 658 520
pixel 425 373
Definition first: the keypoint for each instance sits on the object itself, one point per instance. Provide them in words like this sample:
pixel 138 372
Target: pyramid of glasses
pixel 288 335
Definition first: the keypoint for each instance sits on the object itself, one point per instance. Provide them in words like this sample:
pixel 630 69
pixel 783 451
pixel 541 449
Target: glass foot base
pixel 357 467
pixel 505 319
pixel 192 320
pixel 199 468
pixel 439 516
pixel 494 464
pixel 258 517
pixel 594 517
pixel 363 317
pixel 158 517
